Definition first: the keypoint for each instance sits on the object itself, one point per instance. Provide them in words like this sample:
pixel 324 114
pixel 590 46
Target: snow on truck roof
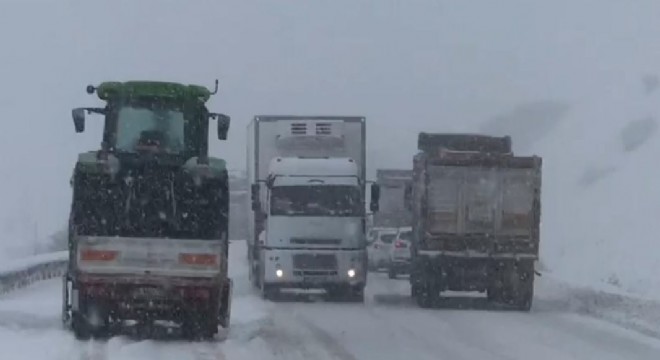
pixel 314 166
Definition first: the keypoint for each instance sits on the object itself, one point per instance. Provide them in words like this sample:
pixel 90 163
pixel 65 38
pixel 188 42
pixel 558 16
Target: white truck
pixel 307 217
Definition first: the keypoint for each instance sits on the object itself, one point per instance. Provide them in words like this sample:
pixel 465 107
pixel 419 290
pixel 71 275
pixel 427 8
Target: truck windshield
pixel 151 129
pixel 304 200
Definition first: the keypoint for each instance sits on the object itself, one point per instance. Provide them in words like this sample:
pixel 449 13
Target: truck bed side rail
pixel 482 245
pixel 484 160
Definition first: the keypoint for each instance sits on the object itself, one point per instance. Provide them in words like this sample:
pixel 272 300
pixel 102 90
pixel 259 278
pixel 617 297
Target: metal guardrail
pixel 17 274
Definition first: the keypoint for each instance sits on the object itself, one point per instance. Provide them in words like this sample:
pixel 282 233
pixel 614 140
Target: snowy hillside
pixel 600 195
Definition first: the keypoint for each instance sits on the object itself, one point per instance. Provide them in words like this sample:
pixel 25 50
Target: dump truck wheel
pixel 414 290
pixel 391 273
pixel 427 294
pixel 518 287
pixel 356 294
pixel 524 295
pixel 495 290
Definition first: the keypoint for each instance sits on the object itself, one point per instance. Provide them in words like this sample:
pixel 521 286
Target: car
pixel 378 248
pixel 372 234
pixel 399 253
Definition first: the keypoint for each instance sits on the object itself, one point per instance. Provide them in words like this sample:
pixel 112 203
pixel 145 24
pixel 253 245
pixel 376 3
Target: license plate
pixel 315 279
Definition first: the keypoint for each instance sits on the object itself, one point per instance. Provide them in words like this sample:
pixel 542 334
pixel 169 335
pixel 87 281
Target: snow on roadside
pixel 25 263
pixel 605 302
pixel 599 200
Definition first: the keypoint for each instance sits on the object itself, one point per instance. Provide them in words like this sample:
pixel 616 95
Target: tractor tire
pixel 80 327
pixel 80 324
pixel 225 308
pixel 196 327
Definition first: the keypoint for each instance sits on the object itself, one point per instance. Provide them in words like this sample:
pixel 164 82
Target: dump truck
pixel 149 215
pixel 392 211
pixel 476 216
pixel 307 218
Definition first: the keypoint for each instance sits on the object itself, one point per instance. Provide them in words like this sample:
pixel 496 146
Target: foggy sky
pixel 406 66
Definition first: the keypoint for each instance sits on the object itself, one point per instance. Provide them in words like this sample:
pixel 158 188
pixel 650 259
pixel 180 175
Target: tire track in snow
pixel 330 343
pixel 209 352
pixel 293 337
pixel 93 350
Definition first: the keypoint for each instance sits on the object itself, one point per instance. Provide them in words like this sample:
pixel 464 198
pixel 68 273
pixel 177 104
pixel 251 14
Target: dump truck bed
pixel 478 204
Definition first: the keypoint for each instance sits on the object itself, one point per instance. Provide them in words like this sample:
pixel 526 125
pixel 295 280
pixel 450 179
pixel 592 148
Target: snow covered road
pixel 388 326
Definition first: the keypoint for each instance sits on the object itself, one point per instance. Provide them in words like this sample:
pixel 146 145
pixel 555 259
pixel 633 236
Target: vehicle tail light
pixel 98 255
pixel 198 259
pixel 399 244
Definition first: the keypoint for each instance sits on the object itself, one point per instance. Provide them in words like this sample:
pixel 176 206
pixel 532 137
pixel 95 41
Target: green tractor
pixel 148 227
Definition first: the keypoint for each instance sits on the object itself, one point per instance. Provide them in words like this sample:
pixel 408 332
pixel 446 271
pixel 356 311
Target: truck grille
pixel 314 262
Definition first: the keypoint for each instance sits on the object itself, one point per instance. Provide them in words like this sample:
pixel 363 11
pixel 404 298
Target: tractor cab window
pixel 150 129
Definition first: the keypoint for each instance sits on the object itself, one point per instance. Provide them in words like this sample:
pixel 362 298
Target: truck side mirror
pixel 375 197
pixel 78 115
pixel 254 188
pixel 407 196
pixel 223 125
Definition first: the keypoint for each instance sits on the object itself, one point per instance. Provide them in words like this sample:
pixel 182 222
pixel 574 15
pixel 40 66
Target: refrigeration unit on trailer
pixel 476 217
pixel 307 222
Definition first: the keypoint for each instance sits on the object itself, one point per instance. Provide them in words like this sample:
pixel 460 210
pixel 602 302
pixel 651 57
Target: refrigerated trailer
pixel 307 218
pixel 476 217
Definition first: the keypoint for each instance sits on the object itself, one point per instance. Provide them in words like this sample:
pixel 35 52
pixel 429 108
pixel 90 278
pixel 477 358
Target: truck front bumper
pixel 282 268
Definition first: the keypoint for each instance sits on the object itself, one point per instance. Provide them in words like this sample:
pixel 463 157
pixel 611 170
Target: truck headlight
pixel 351 273
pixel 279 273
